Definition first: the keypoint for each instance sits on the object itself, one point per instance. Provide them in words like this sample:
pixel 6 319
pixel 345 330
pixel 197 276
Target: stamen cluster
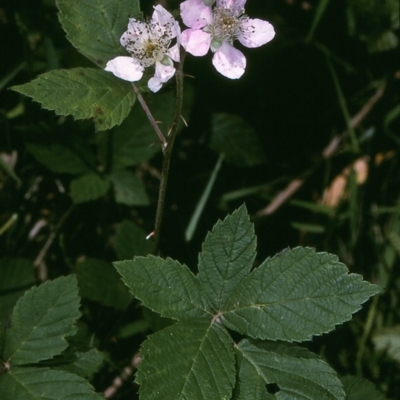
pixel 148 42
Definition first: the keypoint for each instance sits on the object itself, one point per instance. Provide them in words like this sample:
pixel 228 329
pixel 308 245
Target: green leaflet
pixel 130 240
pixel 296 372
pixel 129 189
pixel 227 257
pixel 95 27
pixel 99 281
pixel 236 139
pixel 82 363
pixel 89 187
pixel 191 360
pixel 43 383
pixel 60 158
pixel 295 295
pixel 83 93
pixel 358 388
pixel 164 286
pixel 41 320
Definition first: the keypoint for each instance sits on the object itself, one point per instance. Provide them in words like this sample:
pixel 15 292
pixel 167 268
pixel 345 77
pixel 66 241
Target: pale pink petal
pixel 162 16
pixel 234 5
pixel 195 14
pixel 255 32
pixel 125 68
pixel 173 52
pixel 196 42
pixel 136 29
pixel 154 84
pixel 163 74
pixel 229 61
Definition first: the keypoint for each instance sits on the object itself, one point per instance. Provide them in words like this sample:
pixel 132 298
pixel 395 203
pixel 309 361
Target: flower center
pixel 226 24
pixel 149 41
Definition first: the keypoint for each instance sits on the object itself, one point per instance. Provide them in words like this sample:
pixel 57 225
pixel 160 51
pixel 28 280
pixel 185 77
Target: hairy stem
pixel 168 152
pixel 150 117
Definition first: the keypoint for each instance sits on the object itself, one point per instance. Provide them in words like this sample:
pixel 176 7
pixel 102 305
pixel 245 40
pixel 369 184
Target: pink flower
pixel 217 27
pixel 149 44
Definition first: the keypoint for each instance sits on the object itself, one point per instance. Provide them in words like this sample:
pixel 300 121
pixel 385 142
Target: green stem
pixel 168 152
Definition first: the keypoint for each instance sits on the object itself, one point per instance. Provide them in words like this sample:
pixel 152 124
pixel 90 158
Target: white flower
pixel 149 44
pixel 217 27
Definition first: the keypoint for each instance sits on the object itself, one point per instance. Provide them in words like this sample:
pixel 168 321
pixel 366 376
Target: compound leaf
pixel 95 27
pixel 43 383
pixel 189 360
pixel 296 294
pixel 83 93
pixel 290 372
pixel 41 320
pixel 165 286
pixel 227 257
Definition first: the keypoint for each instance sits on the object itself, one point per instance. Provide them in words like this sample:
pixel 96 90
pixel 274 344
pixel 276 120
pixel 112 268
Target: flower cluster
pixel 212 25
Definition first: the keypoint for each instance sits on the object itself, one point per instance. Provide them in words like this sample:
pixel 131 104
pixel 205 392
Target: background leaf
pixel 227 257
pixel 236 139
pixel 89 187
pixel 44 383
pixel 198 355
pixel 296 294
pixel 288 371
pixel 82 363
pixel 129 189
pixel 95 28
pixel 41 320
pixel 164 286
pixel 83 93
pixel 16 275
pixel 358 388
pixel 130 240
pixel 59 158
pixel 98 281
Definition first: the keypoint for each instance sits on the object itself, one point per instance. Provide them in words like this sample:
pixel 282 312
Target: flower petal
pixel 195 41
pixel 154 84
pixel 163 74
pixel 173 52
pixel 229 61
pixel 255 32
pixel 235 5
pixel 195 14
pixel 125 68
pixel 136 30
pixel 163 17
